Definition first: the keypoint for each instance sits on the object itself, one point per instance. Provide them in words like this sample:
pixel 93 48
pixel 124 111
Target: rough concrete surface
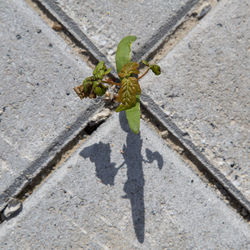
pixel 204 88
pixel 38 107
pixel 106 22
pixel 124 191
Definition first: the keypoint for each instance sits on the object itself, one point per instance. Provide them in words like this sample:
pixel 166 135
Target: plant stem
pixel 111 82
pixel 140 77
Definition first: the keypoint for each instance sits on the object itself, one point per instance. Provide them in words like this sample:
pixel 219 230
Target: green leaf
pixel 95 84
pixel 99 66
pixel 87 85
pixel 100 71
pixel 127 93
pixel 107 71
pixel 133 116
pixel 99 91
pixel 123 53
pixel 156 69
pixel 145 62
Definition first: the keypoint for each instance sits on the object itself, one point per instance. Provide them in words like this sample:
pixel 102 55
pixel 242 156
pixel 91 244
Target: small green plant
pixel 130 90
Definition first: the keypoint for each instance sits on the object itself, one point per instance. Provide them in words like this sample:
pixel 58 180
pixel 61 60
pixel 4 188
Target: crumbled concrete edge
pixel 101 116
pixel 204 163
pixel 50 156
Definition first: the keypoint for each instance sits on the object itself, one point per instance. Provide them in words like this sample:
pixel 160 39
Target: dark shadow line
pixel 100 154
pixel 134 186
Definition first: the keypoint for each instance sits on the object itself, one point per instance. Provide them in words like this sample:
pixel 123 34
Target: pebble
pixel 102 115
pixel 57 26
pixel 164 134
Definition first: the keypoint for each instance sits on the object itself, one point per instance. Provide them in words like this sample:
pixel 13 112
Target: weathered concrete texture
pixel 38 107
pixel 205 89
pixel 124 191
pixel 105 23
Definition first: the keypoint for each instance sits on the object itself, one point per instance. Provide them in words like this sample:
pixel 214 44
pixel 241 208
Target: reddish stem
pixel 111 82
pixel 140 77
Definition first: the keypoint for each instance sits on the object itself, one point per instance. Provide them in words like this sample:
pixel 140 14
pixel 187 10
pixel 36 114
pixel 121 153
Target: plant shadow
pixel 99 153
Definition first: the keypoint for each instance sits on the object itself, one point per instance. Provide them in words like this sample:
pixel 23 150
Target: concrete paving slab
pixel 125 191
pixel 39 111
pixel 204 89
pixel 104 23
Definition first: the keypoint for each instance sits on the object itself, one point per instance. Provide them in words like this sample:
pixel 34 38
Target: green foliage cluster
pixel 93 86
pixel 130 90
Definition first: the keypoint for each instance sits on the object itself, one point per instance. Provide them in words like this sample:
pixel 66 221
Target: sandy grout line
pixel 54 24
pixel 197 13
